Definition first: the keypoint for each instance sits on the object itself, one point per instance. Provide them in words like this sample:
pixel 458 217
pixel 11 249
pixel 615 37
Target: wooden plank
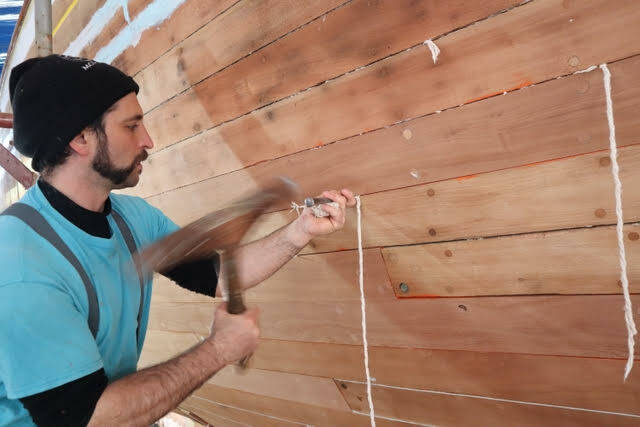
pixel 190 16
pixel 314 391
pixel 570 262
pixel 548 379
pixel 567 193
pixel 160 346
pixel 536 324
pixel 556 380
pixel 476 62
pixel 292 411
pixel 220 415
pixel 325 48
pixel 442 410
pixel 269 19
pixel 327 277
pixel 243 28
pixel 556 119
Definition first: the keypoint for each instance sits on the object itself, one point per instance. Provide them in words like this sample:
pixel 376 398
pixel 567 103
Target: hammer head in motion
pixel 219 230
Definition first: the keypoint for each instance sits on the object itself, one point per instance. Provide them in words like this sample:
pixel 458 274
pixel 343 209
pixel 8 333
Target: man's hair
pixel 47 165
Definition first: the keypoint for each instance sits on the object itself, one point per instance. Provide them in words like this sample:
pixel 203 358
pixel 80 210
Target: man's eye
pixel 133 127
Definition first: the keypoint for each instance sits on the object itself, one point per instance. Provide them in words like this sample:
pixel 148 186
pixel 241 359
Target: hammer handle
pixel 235 303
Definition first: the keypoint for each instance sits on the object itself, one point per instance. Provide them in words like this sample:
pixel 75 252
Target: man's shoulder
pixel 127 205
pixel 20 251
pixel 24 254
pixel 147 221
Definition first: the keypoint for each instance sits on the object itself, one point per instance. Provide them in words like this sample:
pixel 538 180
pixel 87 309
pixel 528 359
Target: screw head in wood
pixel 404 288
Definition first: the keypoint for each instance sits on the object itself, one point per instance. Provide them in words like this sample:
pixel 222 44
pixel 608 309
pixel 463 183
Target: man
pixel 81 123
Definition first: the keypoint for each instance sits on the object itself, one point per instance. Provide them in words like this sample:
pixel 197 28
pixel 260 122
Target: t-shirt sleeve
pixel 162 225
pixel 45 340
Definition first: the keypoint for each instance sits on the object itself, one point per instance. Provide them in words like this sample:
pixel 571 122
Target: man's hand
pixel 234 335
pixel 309 226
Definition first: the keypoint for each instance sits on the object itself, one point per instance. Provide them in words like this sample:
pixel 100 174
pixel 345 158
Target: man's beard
pixel 104 166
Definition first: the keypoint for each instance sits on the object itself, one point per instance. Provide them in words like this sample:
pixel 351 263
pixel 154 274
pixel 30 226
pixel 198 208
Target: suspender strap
pixel 36 221
pixel 131 244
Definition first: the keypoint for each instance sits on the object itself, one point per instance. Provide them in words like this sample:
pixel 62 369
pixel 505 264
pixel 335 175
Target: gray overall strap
pixel 36 221
pixel 131 244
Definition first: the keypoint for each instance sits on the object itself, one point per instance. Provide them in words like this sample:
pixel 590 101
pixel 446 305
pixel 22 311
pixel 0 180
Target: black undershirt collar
pixel 93 223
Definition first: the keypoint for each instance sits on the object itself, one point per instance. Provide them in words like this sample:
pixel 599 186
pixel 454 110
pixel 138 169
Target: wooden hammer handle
pixel 235 302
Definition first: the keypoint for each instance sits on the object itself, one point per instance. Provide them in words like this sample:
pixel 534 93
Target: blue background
pixel 7 24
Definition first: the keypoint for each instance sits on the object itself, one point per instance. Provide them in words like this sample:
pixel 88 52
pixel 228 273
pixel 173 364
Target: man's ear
pixel 81 143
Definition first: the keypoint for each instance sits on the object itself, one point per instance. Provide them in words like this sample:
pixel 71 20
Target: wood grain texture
pixel 566 193
pixel 481 60
pixel 222 415
pixel 441 410
pixel 556 119
pixel 570 262
pixel 547 325
pixel 291 411
pixel 571 381
pixel 155 41
pixel 324 48
pixel 315 391
pixel 244 28
pixel 160 346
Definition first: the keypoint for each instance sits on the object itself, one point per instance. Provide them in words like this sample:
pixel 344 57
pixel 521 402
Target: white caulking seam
pixel 497 399
pixel 247 410
pixel 414 423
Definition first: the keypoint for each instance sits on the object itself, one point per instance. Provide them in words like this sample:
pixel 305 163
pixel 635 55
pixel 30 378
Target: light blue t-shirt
pixel 45 339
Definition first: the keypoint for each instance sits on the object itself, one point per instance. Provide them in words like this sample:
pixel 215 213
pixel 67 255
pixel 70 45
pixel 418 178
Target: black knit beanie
pixel 55 97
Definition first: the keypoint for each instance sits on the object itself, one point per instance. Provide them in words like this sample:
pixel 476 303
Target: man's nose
pixel 146 140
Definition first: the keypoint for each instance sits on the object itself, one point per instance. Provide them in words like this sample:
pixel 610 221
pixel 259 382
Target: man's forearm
pixel 259 260
pixel 142 398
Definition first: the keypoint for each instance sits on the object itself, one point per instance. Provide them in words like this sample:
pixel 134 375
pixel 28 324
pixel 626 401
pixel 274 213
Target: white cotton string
pixel 615 170
pixel 435 50
pixel 364 314
pixel 493 399
pixel 296 207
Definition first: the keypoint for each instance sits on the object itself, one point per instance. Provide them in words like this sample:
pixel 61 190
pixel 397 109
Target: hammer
pixel 218 231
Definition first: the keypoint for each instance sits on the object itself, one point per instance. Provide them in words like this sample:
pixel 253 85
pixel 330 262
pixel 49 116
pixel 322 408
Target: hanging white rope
pixel 364 315
pixel 615 170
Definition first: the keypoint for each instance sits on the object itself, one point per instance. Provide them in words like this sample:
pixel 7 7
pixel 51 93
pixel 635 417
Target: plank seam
pixel 248 410
pixel 235 61
pixel 191 34
pixel 465 239
pixel 414 423
pixel 248 166
pixel 337 76
pixel 436 349
pixel 520 402
pixel 217 416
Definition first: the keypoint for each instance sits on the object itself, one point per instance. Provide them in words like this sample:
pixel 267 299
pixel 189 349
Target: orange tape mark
pixel 525 83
